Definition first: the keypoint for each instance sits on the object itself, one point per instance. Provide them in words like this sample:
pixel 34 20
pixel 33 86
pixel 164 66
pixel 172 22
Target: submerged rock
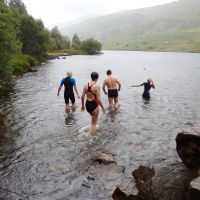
pixel 188 147
pixel 103 156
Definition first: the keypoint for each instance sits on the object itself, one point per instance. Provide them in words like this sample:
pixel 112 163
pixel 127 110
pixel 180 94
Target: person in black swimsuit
pixel 92 91
pixel 70 85
pixel 147 86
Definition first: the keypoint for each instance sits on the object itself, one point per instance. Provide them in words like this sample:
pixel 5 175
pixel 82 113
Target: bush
pixel 22 64
pixel 91 46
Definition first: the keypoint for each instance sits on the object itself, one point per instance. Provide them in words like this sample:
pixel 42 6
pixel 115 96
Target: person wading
pixel 70 85
pixel 92 92
pixel 113 85
pixel 147 86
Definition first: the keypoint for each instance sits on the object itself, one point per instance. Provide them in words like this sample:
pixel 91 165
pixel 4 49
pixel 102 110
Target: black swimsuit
pixel 91 105
pixel 147 87
pixel 68 93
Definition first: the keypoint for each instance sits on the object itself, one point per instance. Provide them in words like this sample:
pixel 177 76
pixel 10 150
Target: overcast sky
pixel 64 11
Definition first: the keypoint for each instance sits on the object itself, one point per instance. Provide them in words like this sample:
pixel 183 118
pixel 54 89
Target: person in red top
pixel 92 91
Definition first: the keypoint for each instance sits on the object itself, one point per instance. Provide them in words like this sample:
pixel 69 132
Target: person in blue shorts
pixel 70 85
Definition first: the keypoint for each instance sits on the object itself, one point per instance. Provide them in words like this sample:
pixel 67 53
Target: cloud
pixel 53 12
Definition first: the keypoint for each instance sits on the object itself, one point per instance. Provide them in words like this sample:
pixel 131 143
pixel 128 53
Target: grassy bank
pixel 22 63
pixel 67 52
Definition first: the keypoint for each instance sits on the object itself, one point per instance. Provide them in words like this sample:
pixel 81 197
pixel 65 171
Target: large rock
pixel 140 189
pixel 194 189
pixel 188 147
pixel 126 190
pixel 143 178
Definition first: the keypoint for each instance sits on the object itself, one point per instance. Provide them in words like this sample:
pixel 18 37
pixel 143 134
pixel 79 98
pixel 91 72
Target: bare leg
pixel 110 100
pixel 67 108
pixel 73 107
pixel 116 100
pixel 94 121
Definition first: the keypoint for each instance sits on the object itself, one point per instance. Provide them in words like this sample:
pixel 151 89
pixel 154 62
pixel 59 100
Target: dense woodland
pixel 24 41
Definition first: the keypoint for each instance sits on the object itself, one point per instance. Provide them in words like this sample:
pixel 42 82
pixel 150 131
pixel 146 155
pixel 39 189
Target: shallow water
pixel 43 154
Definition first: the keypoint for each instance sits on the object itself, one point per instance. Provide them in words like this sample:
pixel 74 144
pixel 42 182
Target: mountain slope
pixel 170 27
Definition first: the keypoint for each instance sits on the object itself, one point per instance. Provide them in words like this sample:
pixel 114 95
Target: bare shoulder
pixel 106 80
pixel 115 78
pixel 85 86
pixel 97 86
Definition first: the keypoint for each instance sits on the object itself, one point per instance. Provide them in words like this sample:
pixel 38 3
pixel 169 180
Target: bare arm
pixel 99 99
pixel 59 88
pixel 119 85
pixel 104 89
pixel 152 84
pixel 76 90
pixel 136 85
pixel 83 99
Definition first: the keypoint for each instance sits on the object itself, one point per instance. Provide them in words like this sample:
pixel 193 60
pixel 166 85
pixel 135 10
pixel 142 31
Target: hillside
pixel 170 27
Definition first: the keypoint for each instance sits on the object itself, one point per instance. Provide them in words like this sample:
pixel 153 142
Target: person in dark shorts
pixel 92 91
pixel 70 85
pixel 113 85
pixel 147 86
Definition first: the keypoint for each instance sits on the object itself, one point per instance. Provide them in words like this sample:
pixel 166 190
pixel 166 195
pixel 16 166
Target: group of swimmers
pixel 92 92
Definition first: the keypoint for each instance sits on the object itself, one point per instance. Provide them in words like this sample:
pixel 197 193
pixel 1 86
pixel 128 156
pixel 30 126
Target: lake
pixel 45 156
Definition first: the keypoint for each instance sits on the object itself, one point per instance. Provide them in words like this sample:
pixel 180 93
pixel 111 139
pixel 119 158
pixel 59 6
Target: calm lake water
pixel 43 154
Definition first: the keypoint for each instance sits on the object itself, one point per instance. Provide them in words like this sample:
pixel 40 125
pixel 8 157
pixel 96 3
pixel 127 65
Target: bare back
pixel 111 82
pixel 95 91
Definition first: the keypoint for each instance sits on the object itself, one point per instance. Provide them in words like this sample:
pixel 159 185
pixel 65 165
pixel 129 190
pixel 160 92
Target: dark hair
pixel 94 76
pixel 109 72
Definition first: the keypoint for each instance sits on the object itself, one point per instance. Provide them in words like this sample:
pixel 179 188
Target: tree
pixel 91 46
pixel 18 4
pixel 34 36
pixel 76 43
pixel 9 45
pixel 58 41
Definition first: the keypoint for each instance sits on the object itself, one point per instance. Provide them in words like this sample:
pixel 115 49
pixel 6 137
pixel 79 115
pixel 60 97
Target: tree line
pixel 21 34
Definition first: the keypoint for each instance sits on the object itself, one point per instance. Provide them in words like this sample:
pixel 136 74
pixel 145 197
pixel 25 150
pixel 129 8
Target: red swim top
pixel 95 96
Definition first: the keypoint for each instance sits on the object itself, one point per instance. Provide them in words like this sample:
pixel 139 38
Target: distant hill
pixel 170 27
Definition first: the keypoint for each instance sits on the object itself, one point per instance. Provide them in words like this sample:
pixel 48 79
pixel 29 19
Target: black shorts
pixel 112 93
pixel 70 97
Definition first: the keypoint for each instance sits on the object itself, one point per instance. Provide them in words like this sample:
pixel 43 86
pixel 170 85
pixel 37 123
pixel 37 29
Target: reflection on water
pixel 70 119
pixel 43 155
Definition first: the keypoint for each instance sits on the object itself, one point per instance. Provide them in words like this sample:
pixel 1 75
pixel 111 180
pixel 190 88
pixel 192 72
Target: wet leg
pixel 110 101
pixel 67 108
pixel 116 100
pixel 73 107
pixel 94 121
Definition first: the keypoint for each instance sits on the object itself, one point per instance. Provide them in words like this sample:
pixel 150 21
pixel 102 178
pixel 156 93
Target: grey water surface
pixel 43 155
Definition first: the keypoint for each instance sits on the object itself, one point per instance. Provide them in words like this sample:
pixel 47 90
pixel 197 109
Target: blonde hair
pixel 149 80
pixel 69 74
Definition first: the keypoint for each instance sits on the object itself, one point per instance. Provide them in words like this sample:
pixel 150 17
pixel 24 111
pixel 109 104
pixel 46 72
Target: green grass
pixel 22 63
pixel 67 51
pixel 188 41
